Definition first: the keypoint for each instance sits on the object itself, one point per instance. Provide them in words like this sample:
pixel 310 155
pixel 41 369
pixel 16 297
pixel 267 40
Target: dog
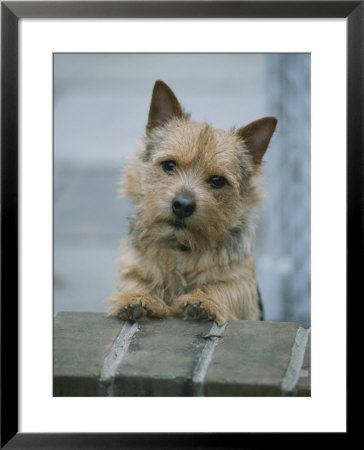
pixel 194 188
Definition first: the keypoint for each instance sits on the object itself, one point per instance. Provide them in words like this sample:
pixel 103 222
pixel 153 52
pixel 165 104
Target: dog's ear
pixel 257 135
pixel 163 107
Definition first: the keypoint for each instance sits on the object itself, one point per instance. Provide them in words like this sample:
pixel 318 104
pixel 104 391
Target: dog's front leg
pixel 134 301
pixel 220 302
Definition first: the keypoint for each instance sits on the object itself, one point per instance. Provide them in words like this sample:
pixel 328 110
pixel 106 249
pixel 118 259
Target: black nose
pixel 183 206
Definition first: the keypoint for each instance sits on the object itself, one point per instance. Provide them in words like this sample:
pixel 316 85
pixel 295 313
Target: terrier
pixel 194 188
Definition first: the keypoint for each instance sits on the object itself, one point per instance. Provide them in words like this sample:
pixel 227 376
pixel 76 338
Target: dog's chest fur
pixel 176 283
pixel 178 274
pixel 174 273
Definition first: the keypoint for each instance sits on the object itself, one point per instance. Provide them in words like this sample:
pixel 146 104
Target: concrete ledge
pixel 81 343
pixel 99 356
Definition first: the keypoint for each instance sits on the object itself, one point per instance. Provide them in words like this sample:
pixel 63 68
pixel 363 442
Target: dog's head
pixel 194 186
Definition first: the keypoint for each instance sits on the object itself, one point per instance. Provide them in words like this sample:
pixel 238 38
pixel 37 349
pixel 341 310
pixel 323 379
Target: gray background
pixel 101 103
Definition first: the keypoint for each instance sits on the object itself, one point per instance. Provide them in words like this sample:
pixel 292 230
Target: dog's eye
pixel 217 182
pixel 169 165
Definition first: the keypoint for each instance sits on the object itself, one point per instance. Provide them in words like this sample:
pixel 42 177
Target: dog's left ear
pixel 163 107
pixel 257 135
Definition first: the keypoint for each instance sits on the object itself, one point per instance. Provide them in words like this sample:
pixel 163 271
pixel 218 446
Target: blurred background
pixel 101 104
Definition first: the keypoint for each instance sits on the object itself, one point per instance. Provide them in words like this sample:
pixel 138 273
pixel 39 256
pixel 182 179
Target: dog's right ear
pixel 257 135
pixel 163 107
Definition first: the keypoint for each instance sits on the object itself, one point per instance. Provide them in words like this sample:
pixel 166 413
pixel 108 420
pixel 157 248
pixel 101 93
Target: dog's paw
pixel 194 308
pixel 197 311
pixel 136 307
pixel 132 312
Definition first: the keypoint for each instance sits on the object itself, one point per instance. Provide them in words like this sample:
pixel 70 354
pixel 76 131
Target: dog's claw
pixel 184 306
pixel 147 309
pixel 137 313
pixel 123 315
pixel 203 314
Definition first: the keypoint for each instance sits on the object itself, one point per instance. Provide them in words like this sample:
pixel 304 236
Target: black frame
pixel 11 12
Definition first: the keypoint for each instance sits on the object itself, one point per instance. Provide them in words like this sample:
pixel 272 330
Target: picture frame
pixel 11 13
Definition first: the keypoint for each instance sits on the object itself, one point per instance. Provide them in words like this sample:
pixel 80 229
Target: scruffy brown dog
pixel 189 250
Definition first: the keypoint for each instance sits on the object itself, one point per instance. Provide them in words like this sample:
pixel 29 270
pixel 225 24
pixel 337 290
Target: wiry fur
pixel 204 270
